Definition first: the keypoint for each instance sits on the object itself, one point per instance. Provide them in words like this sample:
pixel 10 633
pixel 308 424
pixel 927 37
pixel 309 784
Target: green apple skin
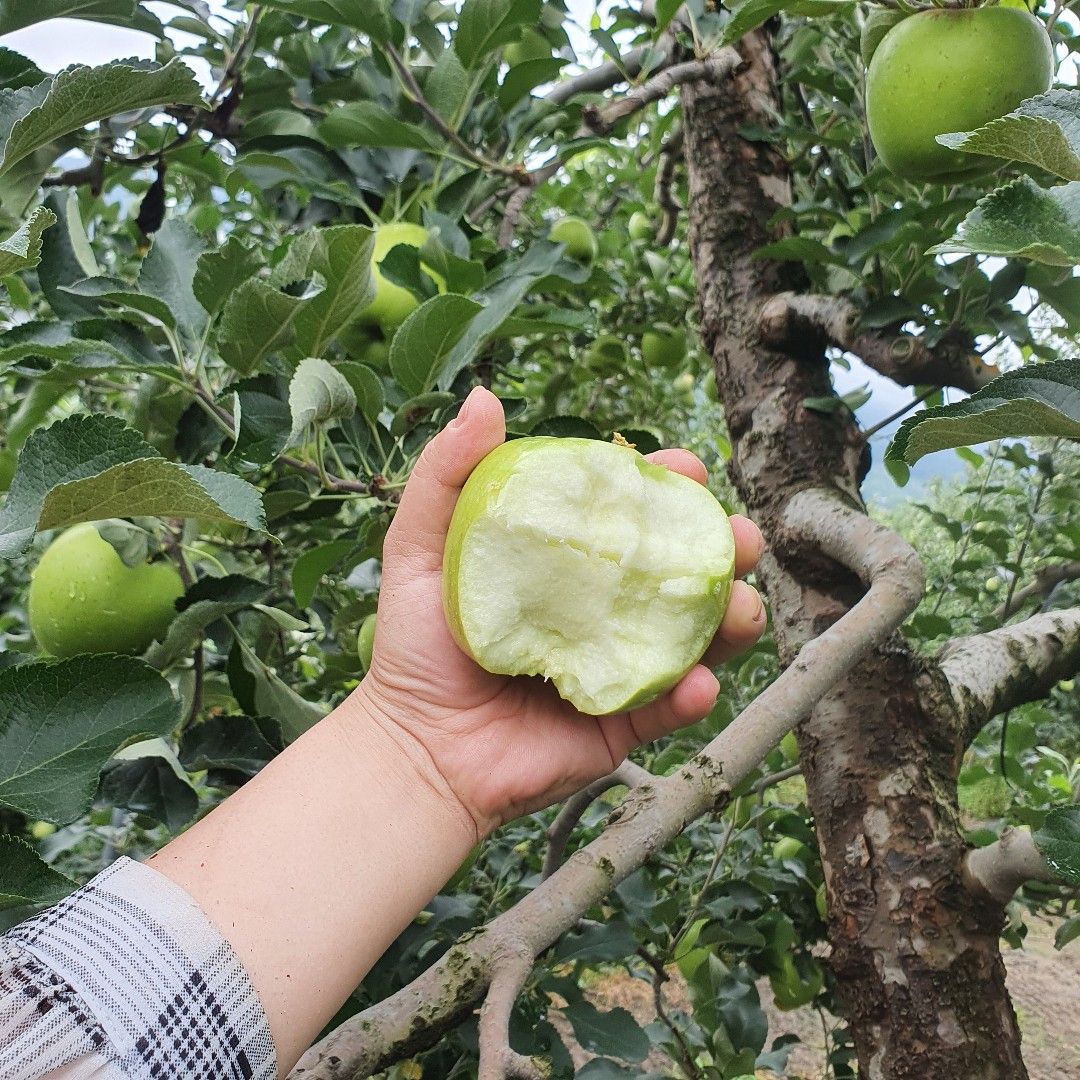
pixel 787 847
pixel 664 350
pixel 579 238
pixel 1067 686
pixel 42 830
pixel 84 599
pixel 365 642
pixel 951 70
pixel 393 304
pixel 482 493
pixel 992 584
pixel 530 46
pixel 607 355
pixel 640 227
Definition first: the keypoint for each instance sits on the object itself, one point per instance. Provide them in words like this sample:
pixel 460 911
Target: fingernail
pixel 760 616
pixel 463 412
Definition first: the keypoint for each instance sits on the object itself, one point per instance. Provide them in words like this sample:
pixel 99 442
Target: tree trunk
pixel 914 952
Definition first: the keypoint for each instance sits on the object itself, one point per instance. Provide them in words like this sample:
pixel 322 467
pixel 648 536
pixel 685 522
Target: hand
pixel 499 747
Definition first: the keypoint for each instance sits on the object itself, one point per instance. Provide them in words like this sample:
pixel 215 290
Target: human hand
pixel 497 747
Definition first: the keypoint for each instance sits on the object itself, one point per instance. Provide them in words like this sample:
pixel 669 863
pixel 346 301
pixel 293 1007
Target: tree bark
pixel 914 951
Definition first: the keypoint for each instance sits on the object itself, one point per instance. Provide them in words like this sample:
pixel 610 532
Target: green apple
pixel 84 599
pixel 579 561
pixel 664 349
pixel 42 830
pixel 365 642
pixel 992 584
pixel 1067 686
pixel 684 384
pixel 607 355
pixel 948 70
pixel 578 237
pixel 530 46
pixel 392 304
pixel 641 226
pixel 796 983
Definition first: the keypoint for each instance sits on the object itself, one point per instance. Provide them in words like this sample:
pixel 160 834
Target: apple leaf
pixel 25 878
pixel 484 25
pixel 425 339
pixel 1043 131
pixel 363 123
pixel 61 721
pixel 1038 399
pixel 313 564
pixel 15 15
pixel 750 14
pixel 219 273
pixel 147 778
pixel 1059 842
pixel 35 116
pixel 204 603
pixel 317 394
pixel 168 274
pixel 1022 220
pixel 232 747
pixel 276 699
pixel 22 250
pixel 58 342
pixel 367 16
pixel 87 468
pixel 17 70
pixel 367 386
pixel 256 323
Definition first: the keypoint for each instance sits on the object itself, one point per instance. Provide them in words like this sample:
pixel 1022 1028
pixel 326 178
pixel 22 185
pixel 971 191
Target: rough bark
pixel 915 952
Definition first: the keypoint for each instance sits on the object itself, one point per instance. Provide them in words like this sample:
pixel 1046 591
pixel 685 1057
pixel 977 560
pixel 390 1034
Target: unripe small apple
pixel 365 642
pixel 607 355
pixel 992 585
pixel 579 238
pixel 1067 686
pixel 640 227
pixel 664 349
pixel 392 304
pixel 42 830
pixel 684 383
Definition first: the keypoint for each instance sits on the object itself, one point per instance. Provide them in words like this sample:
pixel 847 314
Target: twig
pixel 660 976
pixel 775 778
pixel 610 74
pixel 664 190
pixel 1046 581
pixel 498 1061
pixel 870 432
pixel 558 834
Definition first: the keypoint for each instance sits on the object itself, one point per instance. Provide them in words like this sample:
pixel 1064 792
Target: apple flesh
pixel 581 562
pixel 84 599
pixel 951 70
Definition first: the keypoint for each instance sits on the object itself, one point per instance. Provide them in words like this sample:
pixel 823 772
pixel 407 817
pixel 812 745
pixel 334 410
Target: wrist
pixel 372 735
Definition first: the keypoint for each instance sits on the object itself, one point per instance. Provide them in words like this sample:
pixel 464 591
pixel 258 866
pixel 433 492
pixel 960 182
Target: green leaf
pixel 204 603
pixel 1059 842
pixel 367 386
pixel 219 273
pixel 367 16
pixel 256 323
pixel 17 70
pixel 1022 220
pixel 15 14
pixel 526 76
pixel 363 123
pixel 32 117
pixel 614 1032
pixel 109 293
pixel 797 249
pixel 313 564
pixel 61 721
pixel 232 745
pixel 22 250
pixel 87 468
pixel 25 878
pixel 168 273
pixel 750 14
pixel 58 342
pixel 447 86
pixel 274 698
pixel 484 25
pixel 1043 131
pixel 147 778
pixel 317 394
pixel 1038 399
pixel 425 339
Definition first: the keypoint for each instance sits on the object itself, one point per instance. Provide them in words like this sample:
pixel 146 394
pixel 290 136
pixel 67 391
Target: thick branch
pixel 989 674
pixel 1003 866
pixel 610 74
pixel 789 320
pixel 664 190
pixel 721 66
pixel 1046 581
pixel 652 814
pixel 559 831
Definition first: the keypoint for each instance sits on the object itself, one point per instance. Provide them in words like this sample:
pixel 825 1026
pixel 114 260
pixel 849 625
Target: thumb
pixel 418 533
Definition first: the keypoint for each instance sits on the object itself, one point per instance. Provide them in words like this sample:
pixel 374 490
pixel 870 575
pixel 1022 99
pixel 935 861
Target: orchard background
pixel 188 247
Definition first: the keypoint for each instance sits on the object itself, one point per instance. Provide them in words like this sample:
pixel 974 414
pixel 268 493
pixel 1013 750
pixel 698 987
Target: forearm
pixel 314 867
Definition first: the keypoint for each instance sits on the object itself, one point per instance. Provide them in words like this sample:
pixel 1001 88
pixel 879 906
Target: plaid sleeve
pixel 128 971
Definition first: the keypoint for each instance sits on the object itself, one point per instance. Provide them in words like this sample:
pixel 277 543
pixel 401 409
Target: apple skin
pixel 1067 686
pixel 951 70
pixel 84 599
pixel 992 584
pixel 640 227
pixel 42 830
pixel 365 642
pixel 607 355
pixel 579 238
pixel 393 304
pixel 664 350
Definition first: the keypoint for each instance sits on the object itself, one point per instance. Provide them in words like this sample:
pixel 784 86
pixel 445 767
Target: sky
pixel 59 42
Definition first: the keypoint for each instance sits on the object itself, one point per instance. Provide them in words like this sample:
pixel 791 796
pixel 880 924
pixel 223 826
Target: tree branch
pixel 788 320
pixel 610 74
pixel 559 830
pixel 655 812
pixel 989 674
pixel 721 66
pixel 498 1061
pixel 1003 866
pixel 1046 581
pixel 664 189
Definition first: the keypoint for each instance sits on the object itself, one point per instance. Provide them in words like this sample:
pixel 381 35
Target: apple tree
pixel 245 282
